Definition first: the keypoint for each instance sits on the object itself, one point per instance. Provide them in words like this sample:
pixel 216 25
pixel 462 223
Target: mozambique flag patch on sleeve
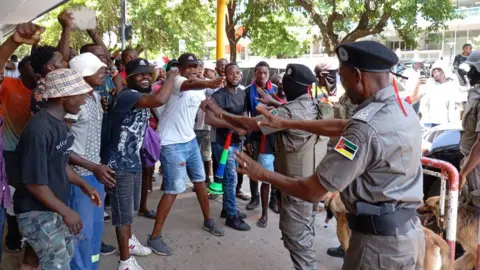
pixel 346 148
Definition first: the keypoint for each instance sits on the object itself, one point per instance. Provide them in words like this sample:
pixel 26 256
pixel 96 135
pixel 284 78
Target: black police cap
pixel 368 56
pixel 301 74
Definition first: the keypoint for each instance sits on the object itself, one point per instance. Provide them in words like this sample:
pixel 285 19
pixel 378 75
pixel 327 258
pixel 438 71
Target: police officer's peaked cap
pixel 300 74
pixel 368 56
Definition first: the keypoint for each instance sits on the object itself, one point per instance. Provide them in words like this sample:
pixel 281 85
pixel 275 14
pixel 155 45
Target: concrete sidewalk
pixel 195 248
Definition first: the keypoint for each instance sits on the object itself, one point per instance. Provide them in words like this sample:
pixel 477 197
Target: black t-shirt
pixel 42 156
pixel 232 103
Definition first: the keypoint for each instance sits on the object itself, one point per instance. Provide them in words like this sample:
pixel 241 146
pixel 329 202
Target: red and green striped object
pixel 223 159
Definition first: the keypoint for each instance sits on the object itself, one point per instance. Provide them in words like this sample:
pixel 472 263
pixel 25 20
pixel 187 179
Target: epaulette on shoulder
pixel 366 114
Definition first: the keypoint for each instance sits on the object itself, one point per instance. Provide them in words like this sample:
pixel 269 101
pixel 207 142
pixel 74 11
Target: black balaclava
pixel 293 89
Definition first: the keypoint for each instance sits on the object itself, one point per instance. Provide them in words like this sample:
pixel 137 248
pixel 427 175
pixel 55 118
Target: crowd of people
pixel 82 131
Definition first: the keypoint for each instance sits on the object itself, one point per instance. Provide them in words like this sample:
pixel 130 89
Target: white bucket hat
pixel 86 64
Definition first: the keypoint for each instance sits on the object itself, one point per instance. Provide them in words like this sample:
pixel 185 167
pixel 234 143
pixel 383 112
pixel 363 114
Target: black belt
pixel 392 224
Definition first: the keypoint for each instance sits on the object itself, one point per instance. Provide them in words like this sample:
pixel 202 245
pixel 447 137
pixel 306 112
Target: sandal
pixel 262 223
pixel 242 196
pixel 149 214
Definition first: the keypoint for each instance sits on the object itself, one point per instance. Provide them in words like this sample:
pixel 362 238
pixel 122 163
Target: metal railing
pixel 448 173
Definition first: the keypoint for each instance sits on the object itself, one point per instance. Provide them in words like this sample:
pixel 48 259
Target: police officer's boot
pixel 337 252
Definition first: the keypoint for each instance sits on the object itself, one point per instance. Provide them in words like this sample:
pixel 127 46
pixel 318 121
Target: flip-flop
pixel 150 214
pixel 242 196
pixel 262 223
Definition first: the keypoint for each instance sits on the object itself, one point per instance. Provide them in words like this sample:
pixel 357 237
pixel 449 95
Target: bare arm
pixel 307 188
pixel 473 160
pixel 329 128
pixel 248 123
pixel 66 20
pixel 161 97
pixel 201 84
pixel 103 173
pixel 212 120
pixel 46 197
pixel 97 40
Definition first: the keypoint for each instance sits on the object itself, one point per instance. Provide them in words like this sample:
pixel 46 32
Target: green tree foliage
pixel 264 22
pixel 159 26
pixel 274 35
pixel 348 20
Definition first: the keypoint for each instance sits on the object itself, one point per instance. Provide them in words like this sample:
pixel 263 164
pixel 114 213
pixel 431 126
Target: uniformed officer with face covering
pixel 470 141
pixel 297 154
pixel 375 165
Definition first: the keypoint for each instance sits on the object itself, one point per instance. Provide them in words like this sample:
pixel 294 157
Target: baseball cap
pixel 209 65
pixel 187 59
pixel 64 83
pixel 86 64
pixel 138 66
pixel 474 60
pixel 172 63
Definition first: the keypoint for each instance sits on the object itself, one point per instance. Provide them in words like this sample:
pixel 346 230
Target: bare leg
pixel 202 196
pixel 124 233
pixel 264 195
pixel 208 170
pixel 163 208
pixel 147 174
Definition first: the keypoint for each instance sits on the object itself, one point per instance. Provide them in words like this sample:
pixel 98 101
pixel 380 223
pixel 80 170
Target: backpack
pixel 150 152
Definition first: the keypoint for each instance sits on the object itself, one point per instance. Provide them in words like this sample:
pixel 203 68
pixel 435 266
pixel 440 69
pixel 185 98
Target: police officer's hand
pixel 73 221
pixel 270 120
pixel 265 97
pixel 246 165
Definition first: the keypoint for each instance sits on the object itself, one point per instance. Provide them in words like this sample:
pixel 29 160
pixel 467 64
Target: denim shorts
pixel 179 160
pixel 49 237
pixel 125 197
pixel 267 161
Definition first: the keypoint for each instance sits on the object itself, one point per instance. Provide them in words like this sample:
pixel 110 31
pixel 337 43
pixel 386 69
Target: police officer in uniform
pixel 469 143
pixel 297 155
pixel 375 165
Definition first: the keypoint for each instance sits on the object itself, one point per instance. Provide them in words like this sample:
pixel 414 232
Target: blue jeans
pixel 2 225
pixel 229 179
pixel 87 249
pixel 178 160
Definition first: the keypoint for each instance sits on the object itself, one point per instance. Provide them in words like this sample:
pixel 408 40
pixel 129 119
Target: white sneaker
pixel 130 264
pixel 136 248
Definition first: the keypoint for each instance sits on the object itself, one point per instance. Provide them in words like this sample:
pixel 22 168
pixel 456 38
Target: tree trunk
pixel 233 51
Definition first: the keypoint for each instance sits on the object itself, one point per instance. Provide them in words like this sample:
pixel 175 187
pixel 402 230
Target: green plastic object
pixel 215 188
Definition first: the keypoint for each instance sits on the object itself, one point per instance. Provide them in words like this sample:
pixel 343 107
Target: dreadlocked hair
pixel 40 58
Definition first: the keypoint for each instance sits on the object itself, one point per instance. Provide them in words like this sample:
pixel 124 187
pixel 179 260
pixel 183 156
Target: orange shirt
pixel 15 110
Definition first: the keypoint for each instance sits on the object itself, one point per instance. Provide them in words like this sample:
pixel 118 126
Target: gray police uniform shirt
pixel 378 157
pixel 297 152
pixel 470 120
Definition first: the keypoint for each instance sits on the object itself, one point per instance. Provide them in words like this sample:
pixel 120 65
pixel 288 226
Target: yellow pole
pixel 221 11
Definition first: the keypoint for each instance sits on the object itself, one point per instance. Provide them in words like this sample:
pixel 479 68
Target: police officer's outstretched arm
pixel 357 148
pixel 328 127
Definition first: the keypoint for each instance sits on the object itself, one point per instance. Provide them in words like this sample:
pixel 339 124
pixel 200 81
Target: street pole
pixel 124 19
pixel 221 11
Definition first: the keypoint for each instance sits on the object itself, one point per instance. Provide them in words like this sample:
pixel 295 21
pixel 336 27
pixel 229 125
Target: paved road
pixel 195 249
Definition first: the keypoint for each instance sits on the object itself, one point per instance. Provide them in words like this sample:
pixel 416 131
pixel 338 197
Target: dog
pixel 467 230
pixel 437 251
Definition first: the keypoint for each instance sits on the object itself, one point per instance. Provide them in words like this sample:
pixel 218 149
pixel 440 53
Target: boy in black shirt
pixel 42 196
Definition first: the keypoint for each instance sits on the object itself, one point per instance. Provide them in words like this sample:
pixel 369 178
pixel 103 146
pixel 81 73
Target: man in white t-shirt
pixel 180 154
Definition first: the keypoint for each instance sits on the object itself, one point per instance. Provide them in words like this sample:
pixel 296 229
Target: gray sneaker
pixel 158 246
pixel 211 227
